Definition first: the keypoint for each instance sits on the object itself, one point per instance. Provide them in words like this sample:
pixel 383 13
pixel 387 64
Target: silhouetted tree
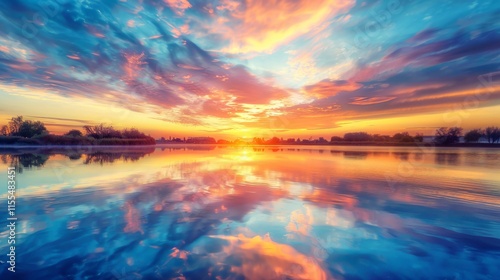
pixel 74 133
pixel 132 133
pixel 419 137
pixel 336 139
pixel 357 136
pixel 257 141
pixel 321 140
pixel 273 141
pixel 14 125
pixel 492 134
pixel 448 135
pixel 101 131
pixel 402 137
pixel 473 135
pixel 17 126
pixel 31 128
pixel 4 131
pixel 381 138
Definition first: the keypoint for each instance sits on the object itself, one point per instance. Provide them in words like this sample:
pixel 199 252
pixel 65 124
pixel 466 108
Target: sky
pixel 255 68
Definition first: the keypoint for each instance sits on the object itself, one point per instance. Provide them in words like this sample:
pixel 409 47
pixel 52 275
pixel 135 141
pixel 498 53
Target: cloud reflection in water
pixel 239 212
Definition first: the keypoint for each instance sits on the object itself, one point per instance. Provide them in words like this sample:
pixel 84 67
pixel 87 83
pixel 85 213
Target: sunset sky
pixel 250 68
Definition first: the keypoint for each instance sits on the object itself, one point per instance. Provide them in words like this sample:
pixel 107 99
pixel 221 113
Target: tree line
pixel 443 136
pixel 400 137
pixel 450 135
pixel 21 131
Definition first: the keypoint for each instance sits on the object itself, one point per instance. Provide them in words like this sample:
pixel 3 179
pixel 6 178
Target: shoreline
pixel 368 144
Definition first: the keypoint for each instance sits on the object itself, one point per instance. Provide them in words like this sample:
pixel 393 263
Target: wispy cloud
pixel 60 119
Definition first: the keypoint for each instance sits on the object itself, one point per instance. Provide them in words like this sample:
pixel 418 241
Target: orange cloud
pixel 262 258
pixel 258 28
pixel 327 88
pixel 177 32
pixel 301 222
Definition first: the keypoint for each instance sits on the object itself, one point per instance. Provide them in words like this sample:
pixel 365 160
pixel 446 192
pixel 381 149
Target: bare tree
pixel 446 135
pixel 473 135
pixel 4 131
pixel 102 131
pixel 492 134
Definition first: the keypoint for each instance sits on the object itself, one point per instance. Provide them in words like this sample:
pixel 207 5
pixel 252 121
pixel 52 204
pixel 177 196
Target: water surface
pixel 288 212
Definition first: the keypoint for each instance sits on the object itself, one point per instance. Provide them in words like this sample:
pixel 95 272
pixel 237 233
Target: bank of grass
pixel 16 140
pixel 57 140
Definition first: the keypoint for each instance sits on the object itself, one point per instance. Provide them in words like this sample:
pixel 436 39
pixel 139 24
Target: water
pixel 288 212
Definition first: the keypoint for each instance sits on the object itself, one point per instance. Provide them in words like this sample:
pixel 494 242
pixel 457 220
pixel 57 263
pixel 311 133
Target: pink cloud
pixel 327 88
pixel 178 6
pixel 74 57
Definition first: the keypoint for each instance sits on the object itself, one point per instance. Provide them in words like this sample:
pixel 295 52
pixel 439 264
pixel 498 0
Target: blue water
pixel 214 212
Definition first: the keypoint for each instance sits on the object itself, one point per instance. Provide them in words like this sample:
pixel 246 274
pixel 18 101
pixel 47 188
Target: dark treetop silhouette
pixel 26 132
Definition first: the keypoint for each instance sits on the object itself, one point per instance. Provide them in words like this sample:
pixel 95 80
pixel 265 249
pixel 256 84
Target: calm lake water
pixel 288 212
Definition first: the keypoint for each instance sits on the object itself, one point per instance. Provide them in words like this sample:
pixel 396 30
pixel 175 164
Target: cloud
pixel 327 88
pixel 426 73
pixel 371 100
pixel 262 26
pixel 264 258
pixel 61 119
pixel 86 50
pixel 421 51
pixel 178 6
